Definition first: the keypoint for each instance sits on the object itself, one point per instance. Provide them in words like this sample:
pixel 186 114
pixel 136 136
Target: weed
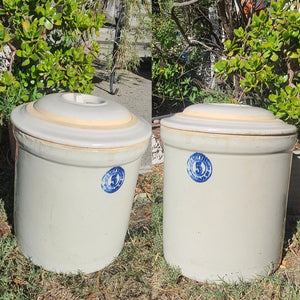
pixel 140 271
pixel 167 283
pixel 128 277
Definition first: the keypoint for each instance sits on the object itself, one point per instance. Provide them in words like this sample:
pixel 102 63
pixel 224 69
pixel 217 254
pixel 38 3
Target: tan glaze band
pixel 49 117
pixel 223 134
pixel 223 117
pixel 81 148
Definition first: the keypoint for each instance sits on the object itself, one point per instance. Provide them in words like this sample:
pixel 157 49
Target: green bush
pixel 169 69
pixel 48 40
pixel 265 60
pixel 170 82
pixel 181 69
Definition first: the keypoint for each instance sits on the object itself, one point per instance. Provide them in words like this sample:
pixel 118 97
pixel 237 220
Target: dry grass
pixel 140 271
pixel 168 283
pixel 128 277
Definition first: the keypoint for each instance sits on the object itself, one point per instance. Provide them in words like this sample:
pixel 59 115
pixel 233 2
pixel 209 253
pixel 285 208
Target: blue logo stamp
pixel 113 180
pixel 199 167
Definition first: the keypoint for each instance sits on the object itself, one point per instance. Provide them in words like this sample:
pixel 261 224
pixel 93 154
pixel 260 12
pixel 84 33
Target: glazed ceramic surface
pixel 225 190
pixel 77 164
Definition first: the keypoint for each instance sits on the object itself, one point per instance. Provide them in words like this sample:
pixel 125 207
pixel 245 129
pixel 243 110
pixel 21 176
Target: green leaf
pixel 274 57
pixel 2 32
pixel 220 66
pixel 227 44
pixel 56 16
pixel 285 78
pixel 50 83
pixel 293 55
pixel 42 21
pixel 192 97
pixel 26 25
pixel 249 77
pixel 288 89
pixel 40 10
pixel 239 32
pixel 267 54
pixel 272 97
pixel 256 20
pixel 34 57
pixel 25 97
pixel 26 62
pixel 19 53
pixel 48 25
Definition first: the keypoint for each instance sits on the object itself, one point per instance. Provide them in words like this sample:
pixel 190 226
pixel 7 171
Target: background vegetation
pixel 128 277
pixel 264 59
pixel 140 272
pixel 48 49
pixel 187 40
pixel 135 24
pixel 228 51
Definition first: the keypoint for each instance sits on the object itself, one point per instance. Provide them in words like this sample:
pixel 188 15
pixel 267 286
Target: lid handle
pixel 84 99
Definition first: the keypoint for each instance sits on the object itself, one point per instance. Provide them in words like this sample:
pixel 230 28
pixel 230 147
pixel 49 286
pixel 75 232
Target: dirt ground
pixel 140 271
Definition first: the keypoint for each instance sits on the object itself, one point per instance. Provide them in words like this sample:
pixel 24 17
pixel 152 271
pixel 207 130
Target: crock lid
pixel 80 120
pixel 224 118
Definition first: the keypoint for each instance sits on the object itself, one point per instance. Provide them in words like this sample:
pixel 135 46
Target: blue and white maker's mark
pixel 199 167
pixel 113 180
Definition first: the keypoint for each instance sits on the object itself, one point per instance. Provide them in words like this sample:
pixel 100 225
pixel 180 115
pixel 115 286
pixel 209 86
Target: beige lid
pixel 223 118
pixel 80 120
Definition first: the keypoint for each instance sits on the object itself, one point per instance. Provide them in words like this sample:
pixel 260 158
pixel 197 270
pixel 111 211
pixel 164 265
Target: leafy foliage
pixel 45 39
pixel 186 42
pixel 169 68
pixel 138 11
pixel 170 83
pixel 174 64
pixel 135 29
pixel 265 57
